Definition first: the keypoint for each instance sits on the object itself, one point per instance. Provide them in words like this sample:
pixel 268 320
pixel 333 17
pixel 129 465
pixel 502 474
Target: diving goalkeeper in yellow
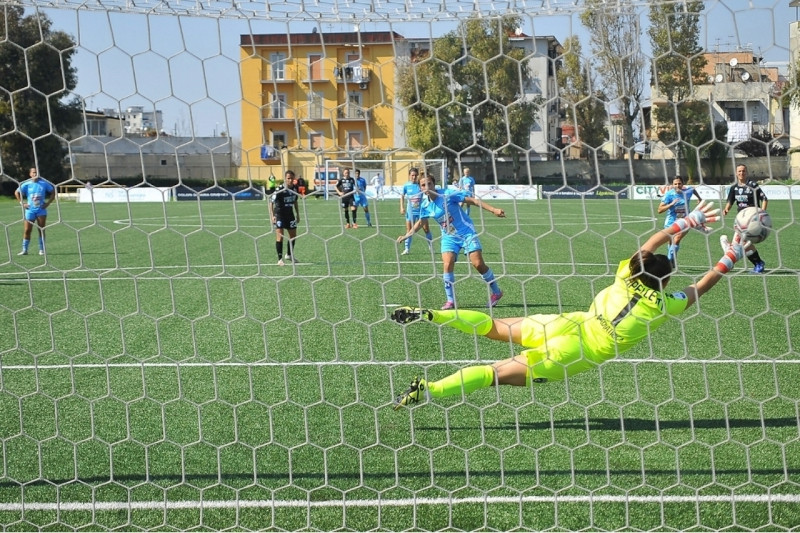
pixel 562 345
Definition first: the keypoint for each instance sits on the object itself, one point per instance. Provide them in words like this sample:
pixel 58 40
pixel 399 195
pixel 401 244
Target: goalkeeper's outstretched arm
pixel 703 214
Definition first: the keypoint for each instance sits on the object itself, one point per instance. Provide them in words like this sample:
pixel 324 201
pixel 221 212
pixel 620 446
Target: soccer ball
pixel 753 224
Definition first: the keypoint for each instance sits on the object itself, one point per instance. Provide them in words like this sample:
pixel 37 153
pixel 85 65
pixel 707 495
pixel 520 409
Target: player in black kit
pixel 346 188
pixel 746 194
pixel 285 213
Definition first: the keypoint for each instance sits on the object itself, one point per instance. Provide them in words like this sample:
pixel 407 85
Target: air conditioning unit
pixel 363 85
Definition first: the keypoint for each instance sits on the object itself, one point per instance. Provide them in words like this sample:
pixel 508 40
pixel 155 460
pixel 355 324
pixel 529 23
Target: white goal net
pixel 170 361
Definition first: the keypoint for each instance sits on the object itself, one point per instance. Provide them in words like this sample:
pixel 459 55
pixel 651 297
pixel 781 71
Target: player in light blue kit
pixel 458 232
pixel 467 183
pixel 360 197
pixel 34 195
pixel 410 198
pixel 676 204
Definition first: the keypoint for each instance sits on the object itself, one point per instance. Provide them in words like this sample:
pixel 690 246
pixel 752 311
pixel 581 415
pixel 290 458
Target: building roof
pixel 162 145
pixel 316 38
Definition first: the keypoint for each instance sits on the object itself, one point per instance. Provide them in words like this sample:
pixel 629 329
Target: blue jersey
pixel 445 210
pixel 413 194
pixel 35 194
pixel 360 198
pixel 681 208
pixel 467 183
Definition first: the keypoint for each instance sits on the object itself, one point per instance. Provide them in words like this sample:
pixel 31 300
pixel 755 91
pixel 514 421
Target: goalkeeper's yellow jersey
pixel 626 312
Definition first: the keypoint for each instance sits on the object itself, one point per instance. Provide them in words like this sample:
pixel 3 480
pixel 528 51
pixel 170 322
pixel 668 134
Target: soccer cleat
pixel 281 263
pixel 355 226
pixel 406 315
pixel 347 226
pixel 758 268
pixel 494 298
pixel 412 395
pixel 449 304
pixel 23 252
pixel 723 241
pixel 405 252
pixel 41 252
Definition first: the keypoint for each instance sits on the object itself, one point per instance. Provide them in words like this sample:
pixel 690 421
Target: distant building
pixel 743 92
pixel 105 157
pixel 137 120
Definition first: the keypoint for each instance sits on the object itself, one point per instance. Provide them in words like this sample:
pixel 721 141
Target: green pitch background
pixel 159 371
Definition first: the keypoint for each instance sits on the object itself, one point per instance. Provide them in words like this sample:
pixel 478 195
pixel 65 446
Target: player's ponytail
pixel 652 270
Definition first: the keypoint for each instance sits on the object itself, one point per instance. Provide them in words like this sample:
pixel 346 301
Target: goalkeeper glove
pixel 698 218
pixel 734 252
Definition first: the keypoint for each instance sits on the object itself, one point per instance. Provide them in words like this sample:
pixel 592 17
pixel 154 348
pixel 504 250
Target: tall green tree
pixel 677 69
pixel 468 95
pixel 615 42
pixel 584 106
pixel 36 76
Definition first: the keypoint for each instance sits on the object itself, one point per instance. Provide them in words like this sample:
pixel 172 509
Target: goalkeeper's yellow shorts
pixel 555 346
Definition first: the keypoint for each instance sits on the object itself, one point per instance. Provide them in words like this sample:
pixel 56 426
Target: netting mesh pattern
pixel 160 370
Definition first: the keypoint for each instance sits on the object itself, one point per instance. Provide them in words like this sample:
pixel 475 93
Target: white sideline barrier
pixel 717 193
pixel 124 195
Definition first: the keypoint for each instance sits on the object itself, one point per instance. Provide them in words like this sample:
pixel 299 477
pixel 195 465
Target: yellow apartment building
pixel 316 99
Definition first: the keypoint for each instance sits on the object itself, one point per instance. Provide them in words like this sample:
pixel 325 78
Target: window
pixel 279 140
pixel 316 141
pixel 163 162
pixel 315 105
pixel 735 114
pixel 278 106
pixel 354 141
pixel 315 67
pixel 278 62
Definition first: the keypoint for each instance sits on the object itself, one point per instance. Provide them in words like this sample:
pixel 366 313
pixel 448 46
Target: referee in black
pixel 285 214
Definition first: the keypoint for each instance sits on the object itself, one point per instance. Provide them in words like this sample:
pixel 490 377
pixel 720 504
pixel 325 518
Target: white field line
pixel 404 502
pixel 205 364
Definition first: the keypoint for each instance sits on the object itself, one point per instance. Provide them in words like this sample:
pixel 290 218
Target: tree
pixel 614 37
pixel 584 106
pixel 35 77
pixel 678 64
pixel 469 93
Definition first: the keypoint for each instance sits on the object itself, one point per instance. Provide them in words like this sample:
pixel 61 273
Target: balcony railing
pixel 279 111
pixel 352 73
pixel 353 112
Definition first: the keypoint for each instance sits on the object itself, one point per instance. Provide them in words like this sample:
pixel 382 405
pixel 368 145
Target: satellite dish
pixel 733 62
pixel 518 32
pixel 718 78
pixel 711 79
pixel 745 76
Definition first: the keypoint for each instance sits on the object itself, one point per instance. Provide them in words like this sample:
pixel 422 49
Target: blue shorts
pixel 455 243
pixel 360 200
pixel 32 213
pixel 412 216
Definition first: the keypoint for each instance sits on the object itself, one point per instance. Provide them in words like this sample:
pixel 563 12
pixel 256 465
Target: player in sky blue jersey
pixel 676 204
pixel 360 197
pixel 410 198
pixel 34 195
pixel 467 183
pixel 458 232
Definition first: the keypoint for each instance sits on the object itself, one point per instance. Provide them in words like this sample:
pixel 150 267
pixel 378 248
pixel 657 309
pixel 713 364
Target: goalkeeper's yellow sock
pixel 467 381
pixel 472 322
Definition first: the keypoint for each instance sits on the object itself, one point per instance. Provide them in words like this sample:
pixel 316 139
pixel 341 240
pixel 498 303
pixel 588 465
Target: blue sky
pixel 187 66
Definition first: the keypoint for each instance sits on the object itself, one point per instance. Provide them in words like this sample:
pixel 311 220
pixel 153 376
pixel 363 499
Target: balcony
pixel 311 114
pixel 279 77
pixel 353 112
pixel 278 112
pixel 352 74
